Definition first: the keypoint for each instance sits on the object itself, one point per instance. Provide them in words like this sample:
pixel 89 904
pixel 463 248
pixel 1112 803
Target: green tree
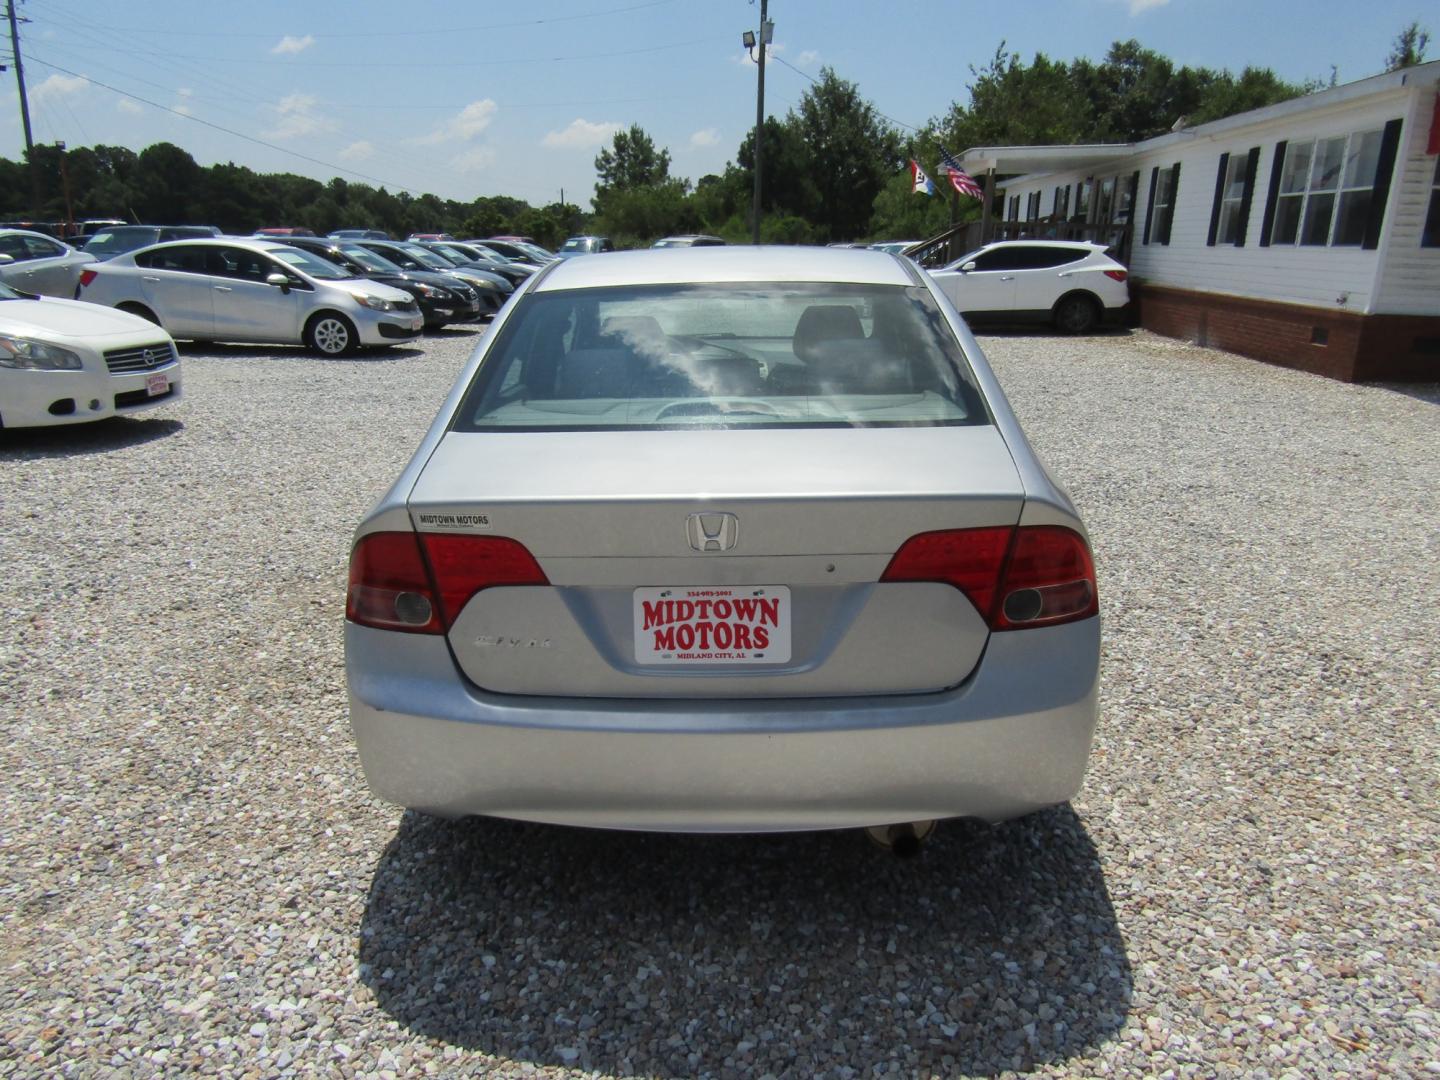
pixel 1409 48
pixel 631 162
pixel 854 152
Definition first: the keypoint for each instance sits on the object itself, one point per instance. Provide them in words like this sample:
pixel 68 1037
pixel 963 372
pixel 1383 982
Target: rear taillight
pixel 463 565
pixel 1117 275
pixel 87 276
pixel 1035 575
pixel 1049 578
pixel 420 583
pixel 969 559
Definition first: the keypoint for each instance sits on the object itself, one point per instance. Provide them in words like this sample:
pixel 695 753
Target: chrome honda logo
pixel 712 531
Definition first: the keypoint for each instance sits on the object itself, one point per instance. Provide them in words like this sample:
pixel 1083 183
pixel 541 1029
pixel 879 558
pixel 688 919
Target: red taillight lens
pixel 1048 577
pixel 390 588
pixel 463 565
pixel 969 559
pixel 87 276
pixel 419 584
pixel 1117 275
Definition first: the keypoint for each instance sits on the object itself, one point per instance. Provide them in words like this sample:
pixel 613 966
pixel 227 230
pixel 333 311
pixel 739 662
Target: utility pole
pixel 20 75
pixel 765 33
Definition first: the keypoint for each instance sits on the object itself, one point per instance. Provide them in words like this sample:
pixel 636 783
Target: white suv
pixel 1073 284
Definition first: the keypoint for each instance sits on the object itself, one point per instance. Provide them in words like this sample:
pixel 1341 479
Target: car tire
pixel 331 334
pixel 1076 314
pixel 141 310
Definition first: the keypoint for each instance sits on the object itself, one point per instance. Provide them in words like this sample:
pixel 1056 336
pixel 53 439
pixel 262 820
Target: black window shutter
pixel 1174 202
pixel 1252 163
pixel 1150 205
pixel 1134 198
pixel 1277 167
pixel 1219 195
pixel 1389 145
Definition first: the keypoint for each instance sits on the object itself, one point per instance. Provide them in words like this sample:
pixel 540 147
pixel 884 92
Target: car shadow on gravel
pixel 77 440
pixel 216 350
pixel 683 955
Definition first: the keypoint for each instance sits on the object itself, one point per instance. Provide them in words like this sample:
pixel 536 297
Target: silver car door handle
pixel 1007 277
pixel 223 288
pixel 147 277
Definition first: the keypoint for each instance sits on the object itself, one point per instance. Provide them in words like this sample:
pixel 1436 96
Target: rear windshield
pixel 723 355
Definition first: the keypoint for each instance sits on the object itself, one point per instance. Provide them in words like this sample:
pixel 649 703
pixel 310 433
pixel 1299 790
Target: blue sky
pixel 465 99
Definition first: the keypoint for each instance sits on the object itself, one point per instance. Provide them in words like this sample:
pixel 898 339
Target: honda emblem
pixel 712 531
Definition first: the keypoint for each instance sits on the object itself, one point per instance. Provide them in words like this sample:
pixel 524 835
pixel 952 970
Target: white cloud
pixel 464 125
pixel 297 117
pixel 707 137
pixel 808 57
pixel 1137 6
pixel 749 58
pixel 358 151
pixel 58 86
pixel 129 107
pixel 290 45
pixel 581 133
pixel 476 159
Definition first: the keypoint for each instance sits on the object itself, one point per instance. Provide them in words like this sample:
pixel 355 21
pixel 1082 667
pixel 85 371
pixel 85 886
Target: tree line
pixel 834 168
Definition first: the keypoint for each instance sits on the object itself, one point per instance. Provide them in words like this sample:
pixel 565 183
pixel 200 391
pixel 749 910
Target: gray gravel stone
pixel 193 876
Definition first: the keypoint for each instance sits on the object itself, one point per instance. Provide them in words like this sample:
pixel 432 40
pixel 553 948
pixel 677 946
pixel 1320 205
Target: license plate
pixel 157 384
pixel 417 323
pixel 748 624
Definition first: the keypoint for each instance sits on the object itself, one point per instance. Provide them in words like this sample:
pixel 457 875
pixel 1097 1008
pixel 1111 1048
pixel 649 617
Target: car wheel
pixel 141 310
pixel 1076 315
pixel 331 334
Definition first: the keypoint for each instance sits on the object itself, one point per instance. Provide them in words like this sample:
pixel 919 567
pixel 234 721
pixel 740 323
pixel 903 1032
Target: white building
pixel 1305 233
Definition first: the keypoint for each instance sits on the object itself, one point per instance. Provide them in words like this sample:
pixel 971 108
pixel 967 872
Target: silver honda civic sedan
pixel 728 539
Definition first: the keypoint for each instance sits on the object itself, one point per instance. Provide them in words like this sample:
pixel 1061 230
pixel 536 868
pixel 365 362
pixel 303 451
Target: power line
pixel 402 33
pixel 368 65
pixel 815 81
pixel 229 131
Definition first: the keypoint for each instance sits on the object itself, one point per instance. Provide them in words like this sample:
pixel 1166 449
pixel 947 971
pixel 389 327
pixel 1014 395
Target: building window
pixel 1431 236
pixel 1232 194
pixel 1124 204
pixel 1326 189
pixel 1082 199
pixel 1163 184
pixel 1106 199
pixel 1062 202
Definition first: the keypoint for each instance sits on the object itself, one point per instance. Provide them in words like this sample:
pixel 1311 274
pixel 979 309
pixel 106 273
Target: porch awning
pixel 1013 160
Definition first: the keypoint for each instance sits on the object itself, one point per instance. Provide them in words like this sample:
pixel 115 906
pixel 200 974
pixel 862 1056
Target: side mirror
pixel 280 281
pixel 968 267
pixel 6 259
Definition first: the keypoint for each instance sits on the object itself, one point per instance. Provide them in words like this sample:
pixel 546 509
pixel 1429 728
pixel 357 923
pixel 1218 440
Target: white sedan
pixel 1071 283
pixel 66 362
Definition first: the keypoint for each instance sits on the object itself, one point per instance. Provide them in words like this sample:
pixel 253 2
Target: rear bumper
pixel 1012 739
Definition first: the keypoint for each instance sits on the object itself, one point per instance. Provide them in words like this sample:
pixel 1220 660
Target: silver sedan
pixel 228 289
pixel 727 540
pixel 38 264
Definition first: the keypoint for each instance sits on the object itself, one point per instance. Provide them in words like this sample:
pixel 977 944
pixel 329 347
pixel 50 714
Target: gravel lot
pixel 194 876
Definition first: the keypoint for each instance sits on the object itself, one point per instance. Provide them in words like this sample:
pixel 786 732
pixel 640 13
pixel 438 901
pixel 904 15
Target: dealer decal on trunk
pixel 712 625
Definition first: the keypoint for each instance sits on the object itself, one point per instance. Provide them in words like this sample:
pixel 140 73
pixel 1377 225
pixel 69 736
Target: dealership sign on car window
pixel 710 625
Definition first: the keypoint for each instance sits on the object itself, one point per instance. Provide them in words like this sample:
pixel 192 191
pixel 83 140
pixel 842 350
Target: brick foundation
pixel 1339 344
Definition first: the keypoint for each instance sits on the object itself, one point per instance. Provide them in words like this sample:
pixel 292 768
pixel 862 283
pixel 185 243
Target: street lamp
pixel 767 33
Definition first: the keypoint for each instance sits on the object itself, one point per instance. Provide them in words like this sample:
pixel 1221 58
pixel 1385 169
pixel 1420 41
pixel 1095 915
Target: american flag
pixel 962 181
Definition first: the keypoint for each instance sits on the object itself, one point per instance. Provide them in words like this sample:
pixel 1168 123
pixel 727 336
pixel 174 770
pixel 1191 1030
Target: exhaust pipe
pixel 905 840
